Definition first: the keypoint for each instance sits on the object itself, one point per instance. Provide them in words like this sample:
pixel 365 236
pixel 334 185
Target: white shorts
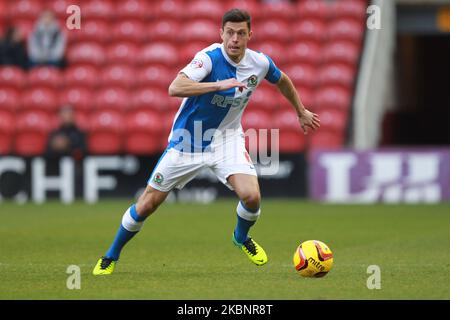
pixel 175 168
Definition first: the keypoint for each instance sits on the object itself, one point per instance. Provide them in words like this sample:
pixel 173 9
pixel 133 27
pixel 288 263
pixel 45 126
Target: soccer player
pixel 207 132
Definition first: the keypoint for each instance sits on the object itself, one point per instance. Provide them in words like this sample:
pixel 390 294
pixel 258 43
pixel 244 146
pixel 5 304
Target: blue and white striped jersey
pixel 200 117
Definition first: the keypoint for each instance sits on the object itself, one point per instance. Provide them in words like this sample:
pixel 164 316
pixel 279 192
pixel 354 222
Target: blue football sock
pixel 131 224
pixel 243 225
pixel 242 228
pixel 122 237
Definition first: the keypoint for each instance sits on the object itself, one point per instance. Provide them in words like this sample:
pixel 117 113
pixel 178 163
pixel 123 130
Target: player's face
pixel 235 36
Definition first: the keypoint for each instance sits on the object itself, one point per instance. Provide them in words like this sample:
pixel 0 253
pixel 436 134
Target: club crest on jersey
pixel 252 81
pixel 196 63
pixel 158 178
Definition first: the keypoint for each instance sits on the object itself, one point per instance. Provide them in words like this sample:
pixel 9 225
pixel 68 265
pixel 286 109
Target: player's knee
pixel 252 200
pixel 148 203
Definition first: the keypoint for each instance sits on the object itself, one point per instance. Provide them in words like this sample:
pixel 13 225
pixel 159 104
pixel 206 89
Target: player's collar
pixel 234 64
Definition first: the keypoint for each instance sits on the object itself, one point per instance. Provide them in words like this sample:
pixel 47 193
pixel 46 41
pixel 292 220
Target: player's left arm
pixel 306 118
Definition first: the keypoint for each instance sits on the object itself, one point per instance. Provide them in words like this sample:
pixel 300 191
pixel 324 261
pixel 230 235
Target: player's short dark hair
pixel 236 15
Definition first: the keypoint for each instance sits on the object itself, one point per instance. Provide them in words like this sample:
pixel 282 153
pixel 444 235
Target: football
pixel 313 258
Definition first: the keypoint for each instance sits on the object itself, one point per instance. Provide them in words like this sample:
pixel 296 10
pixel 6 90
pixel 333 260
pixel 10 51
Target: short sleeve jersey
pixel 220 110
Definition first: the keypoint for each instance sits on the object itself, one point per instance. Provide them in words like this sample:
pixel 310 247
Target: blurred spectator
pixel 13 49
pixel 68 139
pixel 47 42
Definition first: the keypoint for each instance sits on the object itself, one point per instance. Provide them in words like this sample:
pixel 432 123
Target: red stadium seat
pixel 119 75
pixel 272 30
pixel 355 9
pixel 279 10
pixel 105 132
pixel 346 29
pixel 187 52
pixel 167 119
pixel 275 50
pixel 286 120
pixel 4 11
pixel 130 30
pixel 256 119
pixel 289 142
pixel 264 97
pixel 41 98
pixel 12 77
pixel 9 99
pixel 333 97
pixel 291 138
pixel 99 9
pixel 337 74
pixel 7 121
pixel 86 52
pixel 81 98
pixel 144 121
pixel 302 75
pixel 253 7
pixel 112 98
pixel 144 129
pixel 32 133
pixel 155 76
pixel 150 98
pixel 132 9
pixel 122 52
pixel 81 75
pixel 45 76
pixel 313 9
pixel 305 52
pixel 204 9
pixel 164 30
pixel 341 52
pixel 309 30
pixel 158 53
pixel 256 125
pixel 168 9
pixel 92 30
pixel 200 30
pixel 174 103
pixel 25 9
pixel 332 119
pixel 59 7
pixel 7 128
pixel 325 140
pixel 306 96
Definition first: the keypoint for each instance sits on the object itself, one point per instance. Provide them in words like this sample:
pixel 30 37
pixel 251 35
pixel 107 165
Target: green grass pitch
pixel 184 251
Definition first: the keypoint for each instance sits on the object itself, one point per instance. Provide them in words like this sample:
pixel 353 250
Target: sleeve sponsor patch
pixel 196 63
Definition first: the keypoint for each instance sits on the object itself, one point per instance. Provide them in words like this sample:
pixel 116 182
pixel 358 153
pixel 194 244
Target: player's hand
pixel 309 120
pixel 230 83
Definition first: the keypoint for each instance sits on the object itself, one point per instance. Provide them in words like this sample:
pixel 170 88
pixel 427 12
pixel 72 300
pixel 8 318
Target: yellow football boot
pixel 104 266
pixel 254 251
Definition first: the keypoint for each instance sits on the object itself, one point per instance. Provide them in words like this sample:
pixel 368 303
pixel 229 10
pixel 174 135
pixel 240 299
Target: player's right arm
pixel 183 87
pixel 188 81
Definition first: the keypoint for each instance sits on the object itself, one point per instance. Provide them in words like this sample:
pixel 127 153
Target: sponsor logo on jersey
pixel 227 101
